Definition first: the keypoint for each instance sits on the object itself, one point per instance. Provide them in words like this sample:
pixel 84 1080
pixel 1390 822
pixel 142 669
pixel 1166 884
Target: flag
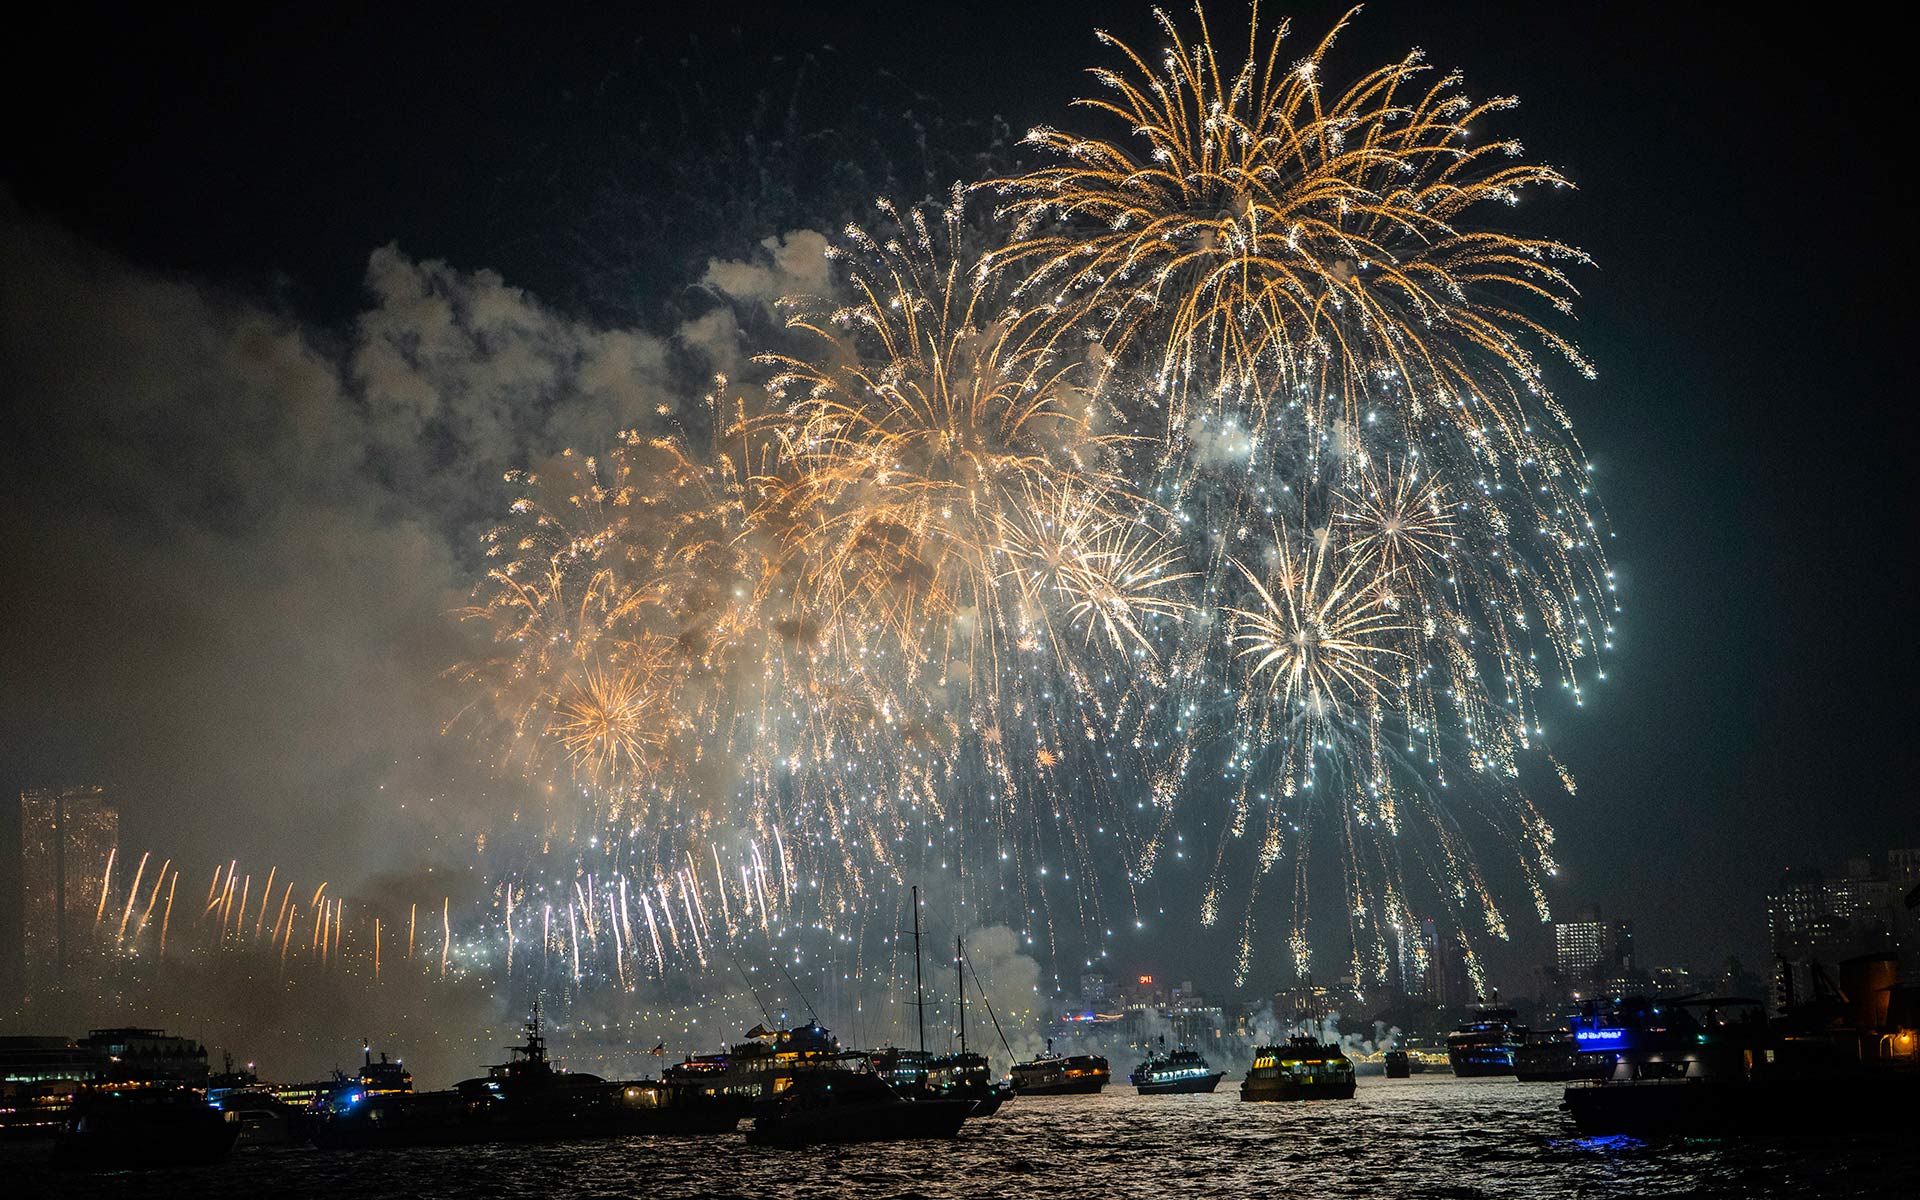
pixel 658 1050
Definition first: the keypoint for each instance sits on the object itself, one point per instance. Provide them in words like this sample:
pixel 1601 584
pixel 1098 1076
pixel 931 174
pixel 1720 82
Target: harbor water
pixel 1429 1136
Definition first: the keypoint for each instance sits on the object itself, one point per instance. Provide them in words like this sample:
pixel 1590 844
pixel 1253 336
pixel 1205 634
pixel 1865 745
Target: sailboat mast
pixel 961 980
pixel 919 995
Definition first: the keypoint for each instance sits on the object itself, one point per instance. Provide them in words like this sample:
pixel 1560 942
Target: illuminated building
pixel 1592 953
pixel 1431 971
pixel 1819 917
pixel 1096 989
pixel 67 838
pixel 138 1054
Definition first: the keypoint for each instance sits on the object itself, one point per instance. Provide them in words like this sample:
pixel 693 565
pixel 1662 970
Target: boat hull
pixel 447 1119
pixel 902 1121
pixel 95 1144
pixel 1289 1089
pixel 1737 1107
pixel 1200 1085
pixel 1085 1086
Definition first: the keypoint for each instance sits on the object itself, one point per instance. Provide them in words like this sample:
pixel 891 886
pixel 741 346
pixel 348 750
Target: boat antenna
pixel 960 979
pixel 919 994
pixel 989 1004
pixel 748 980
pixel 795 985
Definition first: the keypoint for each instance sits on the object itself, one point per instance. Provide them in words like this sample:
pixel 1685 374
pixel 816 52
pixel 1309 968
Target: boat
pixel 763 1066
pixel 1181 1073
pixel 524 1099
pixel 267 1120
pixel 964 1075
pixel 114 1126
pixel 1399 1065
pixel 1302 1069
pixel 834 1106
pixel 1843 1063
pixel 905 1071
pixel 1486 1044
pixel 1061 1074
pixel 1549 1056
pixel 967 1076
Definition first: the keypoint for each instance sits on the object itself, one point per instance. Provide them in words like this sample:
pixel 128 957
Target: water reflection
pixel 1422 1137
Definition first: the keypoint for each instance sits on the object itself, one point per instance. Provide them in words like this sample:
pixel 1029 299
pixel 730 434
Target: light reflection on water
pixel 1425 1137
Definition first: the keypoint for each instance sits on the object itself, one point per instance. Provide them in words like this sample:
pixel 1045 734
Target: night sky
pixel 200 610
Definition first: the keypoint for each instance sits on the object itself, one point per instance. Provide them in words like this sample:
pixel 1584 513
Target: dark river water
pixel 1434 1136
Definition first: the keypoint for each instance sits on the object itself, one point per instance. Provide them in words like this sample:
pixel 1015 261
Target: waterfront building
pixel 68 837
pixel 135 1053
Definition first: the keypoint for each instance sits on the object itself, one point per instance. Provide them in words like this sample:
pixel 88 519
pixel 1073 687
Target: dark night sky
pixel 1737 187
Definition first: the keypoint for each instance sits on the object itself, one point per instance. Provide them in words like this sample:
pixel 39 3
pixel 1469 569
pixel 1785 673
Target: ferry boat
pixel 1181 1073
pixel 1302 1069
pixel 1486 1044
pixel 1061 1075
pixel 761 1067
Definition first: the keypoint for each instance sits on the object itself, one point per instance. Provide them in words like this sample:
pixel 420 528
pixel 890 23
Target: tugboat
pixel 1485 1045
pixel 1398 1063
pixel 1181 1073
pixel 839 1106
pixel 1303 1069
pixel 1061 1075
pixel 143 1124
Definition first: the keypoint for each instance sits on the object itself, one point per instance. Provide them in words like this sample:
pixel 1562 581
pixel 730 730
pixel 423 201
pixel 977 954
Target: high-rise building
pixel 68 837
pixel 1816 919
pixel 1589 952
pixel 1430 969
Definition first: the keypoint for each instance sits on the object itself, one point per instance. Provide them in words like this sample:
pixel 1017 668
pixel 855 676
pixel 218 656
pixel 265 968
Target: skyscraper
pixel 67 839
pixel 1590 952
pixel 1816 919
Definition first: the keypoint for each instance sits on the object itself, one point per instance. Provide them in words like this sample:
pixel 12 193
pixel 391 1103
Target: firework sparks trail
pixel 266 898
pixel 167 915
pixel 106 881
pixel 133 893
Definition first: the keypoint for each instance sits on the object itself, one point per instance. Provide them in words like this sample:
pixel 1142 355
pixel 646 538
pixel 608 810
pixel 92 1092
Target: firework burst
pixel 1218 467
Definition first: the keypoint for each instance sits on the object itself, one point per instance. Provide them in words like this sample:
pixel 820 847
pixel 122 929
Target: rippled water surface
pixel 1439 1137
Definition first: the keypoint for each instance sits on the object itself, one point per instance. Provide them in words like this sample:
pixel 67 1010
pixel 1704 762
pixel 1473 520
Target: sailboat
pixel 829 1104
pixel 966 1075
